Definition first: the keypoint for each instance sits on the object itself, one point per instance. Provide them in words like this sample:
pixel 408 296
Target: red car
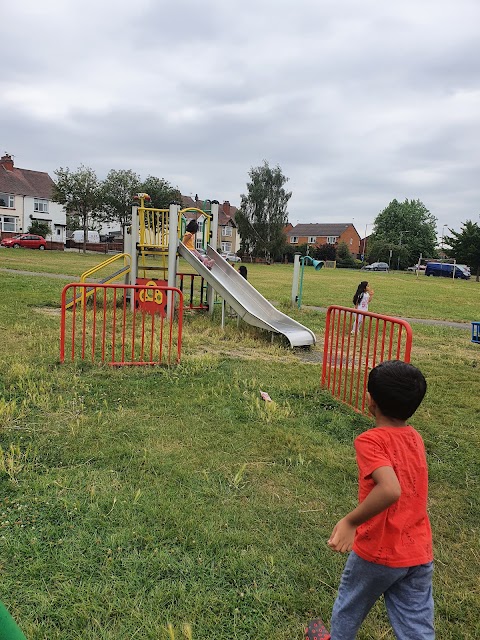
pixel 27 240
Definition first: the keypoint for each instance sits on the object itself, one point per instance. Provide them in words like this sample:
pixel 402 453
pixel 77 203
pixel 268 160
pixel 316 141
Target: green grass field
pixel 137 499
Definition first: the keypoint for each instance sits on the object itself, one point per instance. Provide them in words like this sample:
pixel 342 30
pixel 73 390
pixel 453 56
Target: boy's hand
pixel 342 536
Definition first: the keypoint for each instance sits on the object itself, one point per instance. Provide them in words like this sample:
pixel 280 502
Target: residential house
pixel 228 240
pixel 329 233
pixel 26 196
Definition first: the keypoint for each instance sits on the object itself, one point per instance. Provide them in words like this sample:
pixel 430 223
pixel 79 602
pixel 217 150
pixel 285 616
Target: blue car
pixel 446 270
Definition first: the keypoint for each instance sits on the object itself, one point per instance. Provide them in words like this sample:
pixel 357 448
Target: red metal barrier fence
pixel 355 342
pixel 101 325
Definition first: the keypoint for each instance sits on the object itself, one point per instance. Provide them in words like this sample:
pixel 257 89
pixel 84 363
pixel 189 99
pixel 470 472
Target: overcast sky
pixel 358 102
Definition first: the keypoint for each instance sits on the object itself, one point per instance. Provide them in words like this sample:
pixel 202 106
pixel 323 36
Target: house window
pixel 200 225
pixel 226 247
pixel 332 239
pixel 312 239
pixel 7 200
pixel 198 244
pixel 351 240
pixel 294 240
pixel 8 224
pixel 227 232
pixel 40 205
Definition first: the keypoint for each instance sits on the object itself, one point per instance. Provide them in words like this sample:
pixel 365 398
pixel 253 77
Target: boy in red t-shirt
pixel 388 533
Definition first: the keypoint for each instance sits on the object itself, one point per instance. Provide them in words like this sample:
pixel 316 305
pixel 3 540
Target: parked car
pixel 465 267
pixel 376 266
pixel 417 267
pixel 230 257
pixel 445 270
pixel 107 237
pixel 26 240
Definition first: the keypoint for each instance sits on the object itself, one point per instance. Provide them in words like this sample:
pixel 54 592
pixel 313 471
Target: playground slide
pixel 250 305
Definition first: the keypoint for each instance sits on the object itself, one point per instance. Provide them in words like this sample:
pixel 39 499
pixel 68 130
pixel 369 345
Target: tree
pixel 325 252
pixel 344 257
pixel 118 190
pixel 465 246
pixel 378 250
pixel 80 192
pixel 39 228
pixel 161 192
pixel 408 229
pixel 262 215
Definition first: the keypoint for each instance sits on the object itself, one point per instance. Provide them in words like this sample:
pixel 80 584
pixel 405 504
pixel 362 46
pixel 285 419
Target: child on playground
pixel 362 297
pixel 189 242
pixel 242 270
pixel 388 534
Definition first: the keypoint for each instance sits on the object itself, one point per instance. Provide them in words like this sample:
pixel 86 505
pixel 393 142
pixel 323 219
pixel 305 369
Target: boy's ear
pixel 371 404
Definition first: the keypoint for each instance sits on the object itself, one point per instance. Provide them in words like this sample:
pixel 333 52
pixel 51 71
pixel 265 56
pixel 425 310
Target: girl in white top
pixel 362 297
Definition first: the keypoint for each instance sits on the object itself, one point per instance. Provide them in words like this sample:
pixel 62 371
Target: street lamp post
pixel 443 236
pixel 364 252
pixel 400 248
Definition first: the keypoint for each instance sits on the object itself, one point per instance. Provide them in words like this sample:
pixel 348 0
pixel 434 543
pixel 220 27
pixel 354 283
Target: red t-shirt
pixel 400 536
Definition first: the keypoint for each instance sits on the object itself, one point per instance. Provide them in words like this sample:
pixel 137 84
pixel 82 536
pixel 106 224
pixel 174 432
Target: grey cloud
pixel 358 103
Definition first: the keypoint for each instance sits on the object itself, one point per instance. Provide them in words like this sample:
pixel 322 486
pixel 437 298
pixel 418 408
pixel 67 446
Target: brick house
pixel 26 196
pixel 329 233
pixel 228 240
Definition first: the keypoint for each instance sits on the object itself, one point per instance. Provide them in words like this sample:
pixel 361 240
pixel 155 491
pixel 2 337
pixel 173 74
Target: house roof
pixel 24 182
pixel 187 201
pixel 223 218
pixel 319 229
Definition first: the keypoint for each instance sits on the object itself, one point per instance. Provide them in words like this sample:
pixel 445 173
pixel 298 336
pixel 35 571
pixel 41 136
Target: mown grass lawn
pixel 134 499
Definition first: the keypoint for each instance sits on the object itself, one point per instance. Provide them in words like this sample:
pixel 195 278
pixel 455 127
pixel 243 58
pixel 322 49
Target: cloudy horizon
pixel 357 103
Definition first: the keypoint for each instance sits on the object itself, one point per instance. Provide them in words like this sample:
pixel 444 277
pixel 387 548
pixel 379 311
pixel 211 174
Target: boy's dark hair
pixel 242 270
pixel 397 387
pixel 192 226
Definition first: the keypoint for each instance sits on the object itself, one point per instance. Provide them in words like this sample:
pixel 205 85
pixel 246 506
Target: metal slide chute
pixel 248 303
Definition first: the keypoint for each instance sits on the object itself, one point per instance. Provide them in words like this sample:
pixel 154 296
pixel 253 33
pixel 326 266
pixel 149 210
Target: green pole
pixel 9 629
pixel 302 260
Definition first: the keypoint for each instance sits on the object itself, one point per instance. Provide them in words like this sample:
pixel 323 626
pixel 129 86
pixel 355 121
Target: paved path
pixel 439 323
pixel 57 276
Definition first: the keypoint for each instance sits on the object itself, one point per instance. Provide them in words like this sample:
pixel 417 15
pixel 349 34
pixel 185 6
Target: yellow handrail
pixel 126 262
pixel 206 226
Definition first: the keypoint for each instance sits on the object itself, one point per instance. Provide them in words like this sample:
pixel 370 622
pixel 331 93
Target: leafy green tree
pixel 73 222
pixel 325 252
pixel 465 246
pixel 161 192
pixel 81 194
pixel 408 228
pixel 118 190
pixel 378 250
pixel 263 214
pixel 344 257
pixel 39 228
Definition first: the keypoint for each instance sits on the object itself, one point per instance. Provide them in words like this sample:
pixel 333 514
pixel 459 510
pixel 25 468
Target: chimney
pixel 226 207
pixel 7 161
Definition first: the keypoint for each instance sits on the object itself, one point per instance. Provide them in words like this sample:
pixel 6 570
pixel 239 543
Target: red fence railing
pixel 194 289
pixel 355 342
pixel 101 325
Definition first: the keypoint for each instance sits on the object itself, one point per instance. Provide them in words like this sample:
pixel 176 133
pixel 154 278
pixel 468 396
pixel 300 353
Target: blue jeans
pixel 407 593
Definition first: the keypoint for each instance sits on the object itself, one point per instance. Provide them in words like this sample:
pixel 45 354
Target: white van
pixel 92 236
